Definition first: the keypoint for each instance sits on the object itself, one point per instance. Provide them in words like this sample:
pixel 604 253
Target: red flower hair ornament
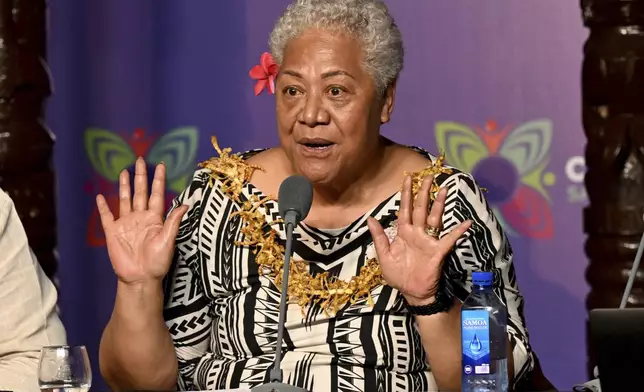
pixel 265 73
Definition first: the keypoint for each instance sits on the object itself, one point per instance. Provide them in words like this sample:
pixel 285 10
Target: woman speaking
pixel 381 263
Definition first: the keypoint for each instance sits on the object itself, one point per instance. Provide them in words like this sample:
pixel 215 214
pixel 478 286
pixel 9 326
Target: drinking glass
pixel 64 369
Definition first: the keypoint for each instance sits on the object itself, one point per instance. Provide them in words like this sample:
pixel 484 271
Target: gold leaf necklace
pixel 330 293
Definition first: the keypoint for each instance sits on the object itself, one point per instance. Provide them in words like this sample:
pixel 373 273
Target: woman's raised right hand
pixel 139 243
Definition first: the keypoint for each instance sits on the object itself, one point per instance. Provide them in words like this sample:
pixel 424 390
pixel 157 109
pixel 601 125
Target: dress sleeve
pixel 485 247
pixel 186 309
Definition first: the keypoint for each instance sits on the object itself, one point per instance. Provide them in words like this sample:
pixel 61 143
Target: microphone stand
pixel 627 292
pixel 276 384
pixel 632 274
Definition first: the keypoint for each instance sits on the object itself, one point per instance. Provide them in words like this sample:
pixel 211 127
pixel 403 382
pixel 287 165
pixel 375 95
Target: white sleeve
pixel 28 299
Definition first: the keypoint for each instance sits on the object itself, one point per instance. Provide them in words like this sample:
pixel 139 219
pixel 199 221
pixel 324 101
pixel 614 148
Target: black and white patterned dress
pixel 222 314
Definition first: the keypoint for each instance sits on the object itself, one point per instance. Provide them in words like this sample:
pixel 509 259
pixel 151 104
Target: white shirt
pixel 28 314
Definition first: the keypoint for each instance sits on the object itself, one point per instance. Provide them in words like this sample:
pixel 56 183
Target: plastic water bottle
pixel 484 320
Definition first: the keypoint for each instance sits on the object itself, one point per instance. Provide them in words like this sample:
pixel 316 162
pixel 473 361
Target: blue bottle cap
pixel 483 278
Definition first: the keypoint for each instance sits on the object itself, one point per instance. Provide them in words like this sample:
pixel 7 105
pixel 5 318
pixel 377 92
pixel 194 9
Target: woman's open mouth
pixel 317 147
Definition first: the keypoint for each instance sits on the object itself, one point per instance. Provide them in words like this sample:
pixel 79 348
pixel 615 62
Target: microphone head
pixel 296 195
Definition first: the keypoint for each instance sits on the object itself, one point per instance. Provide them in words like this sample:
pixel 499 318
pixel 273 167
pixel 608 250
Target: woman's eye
pixel 335 91
pixel 291 91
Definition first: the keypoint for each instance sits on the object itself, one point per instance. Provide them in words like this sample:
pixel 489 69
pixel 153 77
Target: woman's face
pixel 328 108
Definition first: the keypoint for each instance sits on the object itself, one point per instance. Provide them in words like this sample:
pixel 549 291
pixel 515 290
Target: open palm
pixel 412 261
pixel 139 243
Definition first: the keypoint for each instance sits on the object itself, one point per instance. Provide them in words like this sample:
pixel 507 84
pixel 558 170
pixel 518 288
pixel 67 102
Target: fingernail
pixel 162 163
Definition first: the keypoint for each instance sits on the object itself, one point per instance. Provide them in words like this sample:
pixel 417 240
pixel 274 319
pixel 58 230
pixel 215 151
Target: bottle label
pixel 475 336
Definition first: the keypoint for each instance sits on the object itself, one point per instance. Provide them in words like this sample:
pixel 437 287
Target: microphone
pixel 294 200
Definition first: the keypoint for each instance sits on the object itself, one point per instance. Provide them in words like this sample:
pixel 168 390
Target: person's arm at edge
pixel 30 319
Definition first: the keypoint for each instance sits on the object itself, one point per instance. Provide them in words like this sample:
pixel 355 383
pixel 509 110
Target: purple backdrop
pixel 495 84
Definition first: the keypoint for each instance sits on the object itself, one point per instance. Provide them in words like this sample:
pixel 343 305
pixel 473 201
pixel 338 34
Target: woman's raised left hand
pixel 412 262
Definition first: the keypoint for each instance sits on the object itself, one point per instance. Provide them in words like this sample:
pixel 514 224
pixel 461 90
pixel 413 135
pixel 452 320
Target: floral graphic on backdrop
pixel 511 162
pixel 110 153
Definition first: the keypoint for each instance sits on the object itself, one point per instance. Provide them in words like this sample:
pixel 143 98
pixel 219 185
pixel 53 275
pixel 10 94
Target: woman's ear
pixel 388 104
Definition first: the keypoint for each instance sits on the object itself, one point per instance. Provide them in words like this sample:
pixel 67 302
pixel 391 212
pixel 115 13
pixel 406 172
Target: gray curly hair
pixel 368 21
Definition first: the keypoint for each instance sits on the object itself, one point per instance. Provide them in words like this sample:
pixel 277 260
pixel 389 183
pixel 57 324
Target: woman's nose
pixel 314 113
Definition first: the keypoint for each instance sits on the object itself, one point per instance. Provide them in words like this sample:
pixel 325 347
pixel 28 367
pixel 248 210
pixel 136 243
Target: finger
pixel 449 240
pixel 157 195
pixel 380 239
pixel 125 196
pixel 104 212
pixel 435 218
pixel 421 207
pixel 140 202
pixel 171 225
pixel 404 214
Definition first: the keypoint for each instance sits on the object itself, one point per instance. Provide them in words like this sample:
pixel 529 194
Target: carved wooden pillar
pixel 613 118
pixel 26 144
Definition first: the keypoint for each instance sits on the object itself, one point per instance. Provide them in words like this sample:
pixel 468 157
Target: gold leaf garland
pixel 231 170
pixel 435 170
pixel 330 293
